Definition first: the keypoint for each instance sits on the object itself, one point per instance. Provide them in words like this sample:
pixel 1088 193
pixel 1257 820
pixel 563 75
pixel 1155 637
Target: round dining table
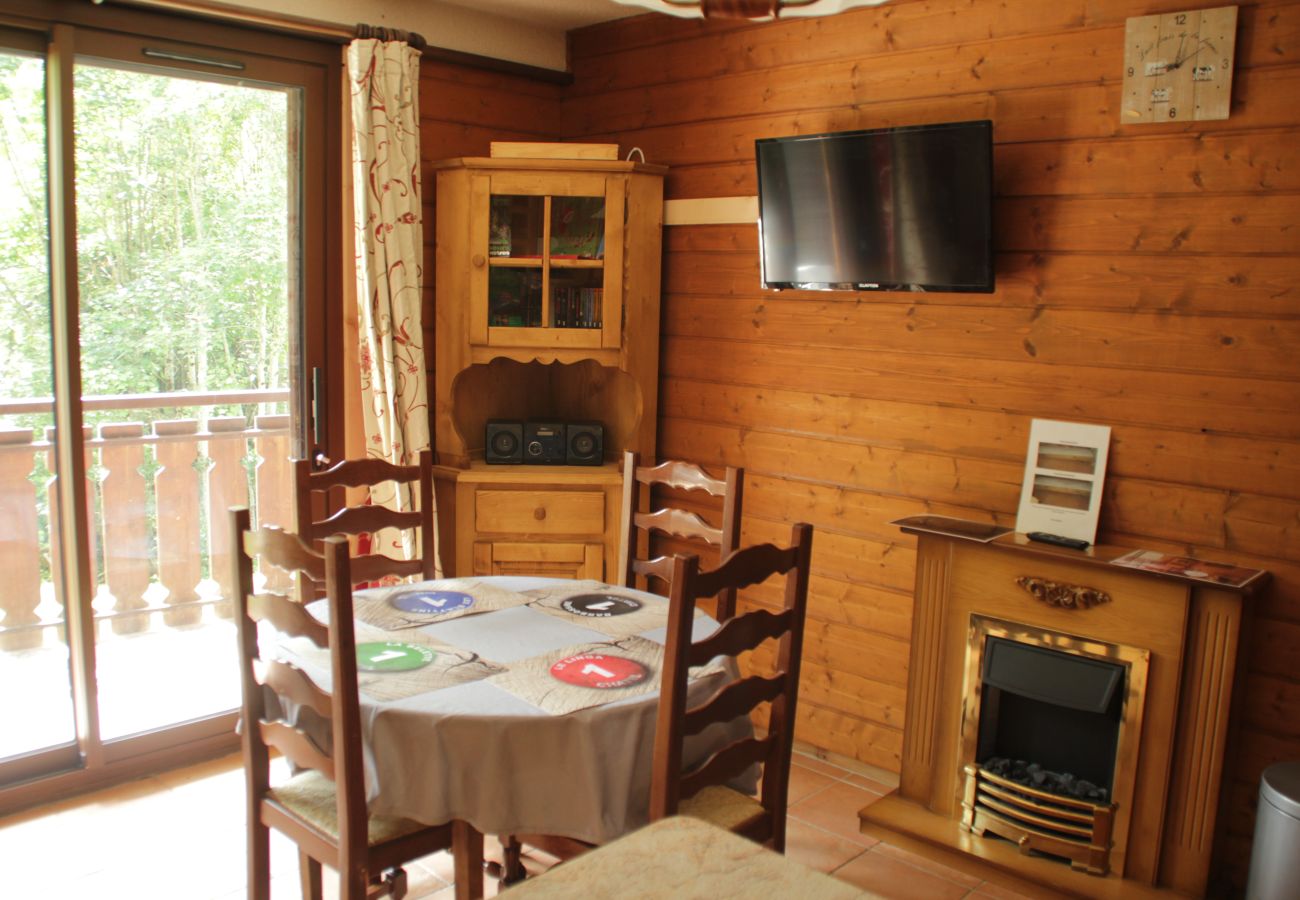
pixel 517 705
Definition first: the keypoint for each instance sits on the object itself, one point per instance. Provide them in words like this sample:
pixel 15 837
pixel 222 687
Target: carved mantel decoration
pixel 1063 596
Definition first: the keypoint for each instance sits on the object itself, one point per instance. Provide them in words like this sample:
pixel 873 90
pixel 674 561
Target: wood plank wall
pixel 462 110
pixel 1148 278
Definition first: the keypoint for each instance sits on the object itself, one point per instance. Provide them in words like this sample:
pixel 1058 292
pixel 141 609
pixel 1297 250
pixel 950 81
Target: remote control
pixel 1044 538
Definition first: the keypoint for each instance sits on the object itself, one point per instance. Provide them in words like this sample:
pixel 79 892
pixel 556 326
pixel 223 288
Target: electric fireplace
pixel 1066 719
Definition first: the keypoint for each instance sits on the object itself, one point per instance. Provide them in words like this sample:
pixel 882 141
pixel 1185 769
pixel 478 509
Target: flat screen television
pixel 892 209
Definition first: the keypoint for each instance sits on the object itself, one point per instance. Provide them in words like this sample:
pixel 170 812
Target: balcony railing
pixel 157 494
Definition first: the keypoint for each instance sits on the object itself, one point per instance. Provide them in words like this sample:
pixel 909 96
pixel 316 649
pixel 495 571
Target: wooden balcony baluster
pixel 20 552
pixel 274 474
pixel 176 489
pixel 227 487
pixel 125 524
pixel 52 487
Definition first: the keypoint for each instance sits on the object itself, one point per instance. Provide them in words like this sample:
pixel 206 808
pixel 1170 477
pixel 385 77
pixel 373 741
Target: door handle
pixel 318 458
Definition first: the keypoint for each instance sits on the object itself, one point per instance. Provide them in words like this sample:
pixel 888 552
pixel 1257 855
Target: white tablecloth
pixel 482 754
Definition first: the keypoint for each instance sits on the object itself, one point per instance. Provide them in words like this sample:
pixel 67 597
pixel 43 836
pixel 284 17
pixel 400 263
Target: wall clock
pixel 1178 66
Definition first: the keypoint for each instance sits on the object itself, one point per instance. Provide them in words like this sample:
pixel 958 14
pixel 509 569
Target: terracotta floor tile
pixel 924 862
pixel 805 782
pixel 870 784
pixel 989 890
pixel 816 848
pixel 835 809
pixel 817 764
pixel 897 880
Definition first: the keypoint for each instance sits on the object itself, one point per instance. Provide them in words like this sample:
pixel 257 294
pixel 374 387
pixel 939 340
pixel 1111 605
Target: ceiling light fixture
pixel 748 9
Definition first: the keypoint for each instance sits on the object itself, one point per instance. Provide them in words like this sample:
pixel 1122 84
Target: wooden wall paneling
pixel 605 54
pixel 1146 279
pixel 1211 460
pixel 1181 164
pixel 1246 347
pixel 1238 285
pixel 1176 399
pixel 1055 112
pixel 910 26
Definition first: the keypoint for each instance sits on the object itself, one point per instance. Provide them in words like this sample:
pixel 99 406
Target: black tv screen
pixel 897 209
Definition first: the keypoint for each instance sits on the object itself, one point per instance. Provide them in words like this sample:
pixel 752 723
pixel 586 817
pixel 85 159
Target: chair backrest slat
pixel 728 763
pixel 311 486
pixel 739 572
pixel 295 745
pixel 363 519
pixel 287 617
pixel 737 699
pixel 291 683
pixel 660 567
pixel 640 525
pixel 374 566
pixel 741 634
pixel 362 473
pixel 679 523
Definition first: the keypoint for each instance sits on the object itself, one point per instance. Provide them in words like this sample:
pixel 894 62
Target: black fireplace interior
pixel 1059 712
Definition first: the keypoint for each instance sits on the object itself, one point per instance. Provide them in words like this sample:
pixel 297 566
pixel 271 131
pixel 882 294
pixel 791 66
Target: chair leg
pixel 309 872
pixel 512 865
pixel 354 883
pixel 259 862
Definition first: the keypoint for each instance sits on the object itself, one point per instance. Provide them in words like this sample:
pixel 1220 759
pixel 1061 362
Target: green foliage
pixel 183 204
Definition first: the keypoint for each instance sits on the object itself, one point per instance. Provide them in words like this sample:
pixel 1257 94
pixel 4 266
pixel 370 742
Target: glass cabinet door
pixel 545 278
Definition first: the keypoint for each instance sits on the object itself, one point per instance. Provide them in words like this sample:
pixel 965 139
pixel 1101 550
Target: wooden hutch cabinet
pixel 547 308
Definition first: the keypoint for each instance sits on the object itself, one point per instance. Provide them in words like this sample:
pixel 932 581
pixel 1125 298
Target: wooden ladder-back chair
pixel 352 520
pixel 678 522
pixel 322 808
pixel 702 792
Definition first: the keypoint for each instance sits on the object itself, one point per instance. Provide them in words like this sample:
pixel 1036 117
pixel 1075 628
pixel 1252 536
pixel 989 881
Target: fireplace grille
pixel 1078 830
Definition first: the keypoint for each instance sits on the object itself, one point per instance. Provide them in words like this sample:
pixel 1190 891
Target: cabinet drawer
pixel 539 512
pixel 540 558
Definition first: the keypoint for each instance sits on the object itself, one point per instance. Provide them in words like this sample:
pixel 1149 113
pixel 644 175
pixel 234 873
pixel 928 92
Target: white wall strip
pixel 711 211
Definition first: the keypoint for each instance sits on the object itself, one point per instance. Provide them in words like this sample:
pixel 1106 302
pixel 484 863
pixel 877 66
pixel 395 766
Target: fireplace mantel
pixel 1191 629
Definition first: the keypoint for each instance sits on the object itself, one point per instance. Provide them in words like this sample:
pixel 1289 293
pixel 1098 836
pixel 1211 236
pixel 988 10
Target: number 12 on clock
pixel 1178 66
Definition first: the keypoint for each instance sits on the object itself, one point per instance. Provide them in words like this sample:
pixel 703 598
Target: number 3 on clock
pixel 1178 66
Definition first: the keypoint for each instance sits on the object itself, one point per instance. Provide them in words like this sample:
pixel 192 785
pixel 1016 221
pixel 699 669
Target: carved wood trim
pixel 1062 596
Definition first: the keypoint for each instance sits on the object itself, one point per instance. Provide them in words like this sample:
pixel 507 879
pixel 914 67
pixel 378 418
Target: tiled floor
pixel 180 836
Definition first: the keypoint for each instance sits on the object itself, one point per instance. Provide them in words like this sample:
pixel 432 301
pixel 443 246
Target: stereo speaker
pixel 544 442
pixel 586 443
pixel 503 442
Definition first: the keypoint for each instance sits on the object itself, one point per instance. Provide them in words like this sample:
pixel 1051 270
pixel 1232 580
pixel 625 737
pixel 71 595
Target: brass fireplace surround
pixel 1135 662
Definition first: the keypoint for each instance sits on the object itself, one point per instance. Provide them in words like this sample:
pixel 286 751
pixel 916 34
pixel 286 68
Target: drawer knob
pixel 539 513
pixel 478 260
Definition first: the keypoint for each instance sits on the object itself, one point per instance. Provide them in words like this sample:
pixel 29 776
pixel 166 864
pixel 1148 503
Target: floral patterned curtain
pixel 384 77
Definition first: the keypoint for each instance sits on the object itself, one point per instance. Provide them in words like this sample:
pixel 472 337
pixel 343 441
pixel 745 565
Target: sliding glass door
pixel 170 301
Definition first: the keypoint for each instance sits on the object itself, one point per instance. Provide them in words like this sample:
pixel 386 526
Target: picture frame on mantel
pixel 1065 469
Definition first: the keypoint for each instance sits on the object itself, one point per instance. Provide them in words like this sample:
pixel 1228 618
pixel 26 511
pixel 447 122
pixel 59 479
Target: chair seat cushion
pixel 310 796
pixel 721 806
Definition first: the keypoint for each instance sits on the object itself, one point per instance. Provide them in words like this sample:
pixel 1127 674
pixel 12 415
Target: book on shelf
pixel 1188 567
pixel 575 307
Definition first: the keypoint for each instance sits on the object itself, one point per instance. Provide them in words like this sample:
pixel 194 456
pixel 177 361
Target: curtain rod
pixel 341 34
